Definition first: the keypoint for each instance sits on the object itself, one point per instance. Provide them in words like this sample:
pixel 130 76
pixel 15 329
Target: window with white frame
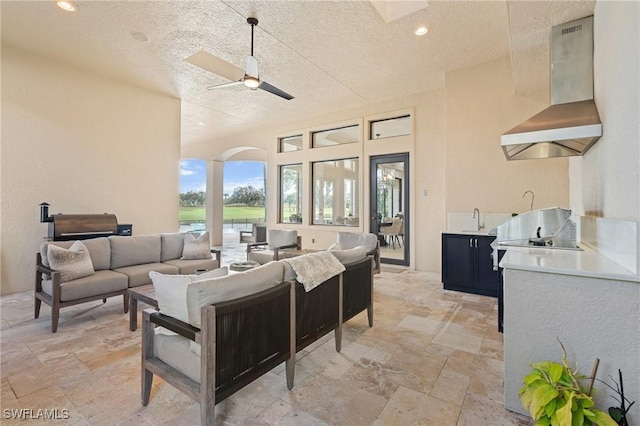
pixel 335 197
pixel 291 193
pixel 337 136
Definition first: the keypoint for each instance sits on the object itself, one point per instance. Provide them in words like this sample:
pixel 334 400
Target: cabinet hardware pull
pixel 471 242
pixel 476 243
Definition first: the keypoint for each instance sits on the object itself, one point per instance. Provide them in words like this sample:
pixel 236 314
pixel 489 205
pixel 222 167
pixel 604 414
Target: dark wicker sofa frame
pixel 238 346
pixel 328 306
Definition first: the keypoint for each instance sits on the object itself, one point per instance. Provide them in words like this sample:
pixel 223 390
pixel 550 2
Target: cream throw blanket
pixel 315 268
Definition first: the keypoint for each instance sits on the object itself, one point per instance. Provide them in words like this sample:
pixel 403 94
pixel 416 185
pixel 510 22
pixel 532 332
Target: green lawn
pixel 193 214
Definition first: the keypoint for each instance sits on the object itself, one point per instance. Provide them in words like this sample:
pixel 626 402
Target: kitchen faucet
pixel 476 211
pixel 532 197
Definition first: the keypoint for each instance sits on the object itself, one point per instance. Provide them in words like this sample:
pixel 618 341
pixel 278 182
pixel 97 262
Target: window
pixel 335 192
pixel 390 127
pixel 193 194
pixel 291 193
pixel 290 143
pixel 331 137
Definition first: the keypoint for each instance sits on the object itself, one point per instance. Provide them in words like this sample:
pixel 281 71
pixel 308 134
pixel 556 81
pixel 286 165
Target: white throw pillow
pixel 196 248
pixel 72 263
pixel 171 291
pixel 350 255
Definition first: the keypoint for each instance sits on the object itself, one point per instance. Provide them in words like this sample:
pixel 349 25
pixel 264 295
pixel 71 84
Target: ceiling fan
pixel 248 76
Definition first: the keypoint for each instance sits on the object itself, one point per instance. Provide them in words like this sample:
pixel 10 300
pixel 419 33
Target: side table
pixel 143 293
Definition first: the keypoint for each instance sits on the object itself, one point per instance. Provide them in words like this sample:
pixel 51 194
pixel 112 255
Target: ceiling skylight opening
pixel 420 31
pixel 66 5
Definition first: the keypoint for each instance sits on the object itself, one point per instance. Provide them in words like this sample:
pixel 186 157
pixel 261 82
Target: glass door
pixel 389 201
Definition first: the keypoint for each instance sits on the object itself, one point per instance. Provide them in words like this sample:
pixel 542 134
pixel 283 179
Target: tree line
pixel 242 196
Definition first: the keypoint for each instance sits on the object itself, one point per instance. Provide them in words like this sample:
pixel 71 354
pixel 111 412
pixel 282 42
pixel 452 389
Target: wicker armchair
pixel 237 346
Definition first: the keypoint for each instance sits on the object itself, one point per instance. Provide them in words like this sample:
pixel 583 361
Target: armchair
pixel 349 240
pixel 279 241
pixel 237 346
pixel 258 233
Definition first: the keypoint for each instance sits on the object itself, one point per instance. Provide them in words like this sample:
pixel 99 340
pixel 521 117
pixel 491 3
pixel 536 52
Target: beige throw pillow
pixel 72 263
pixel 171 291
pixel 196 248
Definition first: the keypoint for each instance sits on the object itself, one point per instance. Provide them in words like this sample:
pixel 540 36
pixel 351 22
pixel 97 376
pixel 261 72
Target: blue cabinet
pixel 467 264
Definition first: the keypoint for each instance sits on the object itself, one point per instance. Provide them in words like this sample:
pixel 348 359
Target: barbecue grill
pixel 66 227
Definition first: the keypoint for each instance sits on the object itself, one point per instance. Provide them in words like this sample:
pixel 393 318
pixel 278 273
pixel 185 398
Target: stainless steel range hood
pixel 571 124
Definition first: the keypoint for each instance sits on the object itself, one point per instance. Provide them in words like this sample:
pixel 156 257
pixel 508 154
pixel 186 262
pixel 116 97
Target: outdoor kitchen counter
pixel 585 263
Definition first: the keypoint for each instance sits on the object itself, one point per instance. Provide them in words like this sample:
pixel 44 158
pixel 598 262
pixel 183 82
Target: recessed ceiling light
pixel 200 123
pixel 66 5
pixel 142 37
pixel 421 31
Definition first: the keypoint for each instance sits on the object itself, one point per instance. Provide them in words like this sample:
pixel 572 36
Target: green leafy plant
pixel 553 396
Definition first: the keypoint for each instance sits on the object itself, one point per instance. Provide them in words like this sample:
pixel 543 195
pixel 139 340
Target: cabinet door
pixel 486 277
pixel 457 262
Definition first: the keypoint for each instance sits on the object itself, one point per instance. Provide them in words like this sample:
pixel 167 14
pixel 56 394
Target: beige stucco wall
pixel 481 105
pixel 605 182
pixel 84 144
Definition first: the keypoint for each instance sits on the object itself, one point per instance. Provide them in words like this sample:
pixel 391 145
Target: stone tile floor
pixel 433 357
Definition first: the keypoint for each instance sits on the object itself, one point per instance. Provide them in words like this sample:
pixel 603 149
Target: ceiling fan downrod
pixel 253 22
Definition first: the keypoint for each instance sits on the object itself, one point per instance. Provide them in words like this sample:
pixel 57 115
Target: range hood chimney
pixel 571 124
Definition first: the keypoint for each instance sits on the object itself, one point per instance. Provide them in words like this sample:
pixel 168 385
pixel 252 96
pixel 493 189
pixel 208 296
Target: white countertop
pixel 586 263
pixel 483 233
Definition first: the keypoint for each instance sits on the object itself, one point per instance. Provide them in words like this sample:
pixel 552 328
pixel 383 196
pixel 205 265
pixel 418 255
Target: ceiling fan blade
pixel 209 62
pixel 223 85
pixel 272 89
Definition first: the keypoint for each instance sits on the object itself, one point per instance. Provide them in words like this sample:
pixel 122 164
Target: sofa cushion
pixel 99 250
pixel 189 266
pixel 350 255
pixel 214 290
pixel 174 351
pixel 196 248
pixel 171 246
pixel 349 240
pixel 101 282
pixel 72 263
pixel 171 291
pixel 139 274
pixel 134 250
pixel 260 256
pixel 282 237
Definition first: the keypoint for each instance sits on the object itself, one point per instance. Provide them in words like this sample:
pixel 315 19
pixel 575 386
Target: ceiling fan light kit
pixel 250 76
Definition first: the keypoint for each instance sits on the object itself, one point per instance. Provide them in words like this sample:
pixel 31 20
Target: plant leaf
pixel 564 414
pixel 544 421
pixel 578 417
pixel 603 419
pixel 541 397
pixel 615 413
pixel 555 372
pixel 550 408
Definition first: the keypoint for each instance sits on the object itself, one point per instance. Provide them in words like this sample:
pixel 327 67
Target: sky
pixel 193 175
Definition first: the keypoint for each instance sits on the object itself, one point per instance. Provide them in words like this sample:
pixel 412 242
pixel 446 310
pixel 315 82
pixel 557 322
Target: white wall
pixel 84 144
pixel 606 180
pixel 481 106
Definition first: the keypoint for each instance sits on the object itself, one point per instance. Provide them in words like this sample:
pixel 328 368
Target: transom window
pixel 338 136
pixel 290 143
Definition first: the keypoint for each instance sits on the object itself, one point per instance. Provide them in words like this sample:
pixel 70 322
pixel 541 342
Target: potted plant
pixel 553 396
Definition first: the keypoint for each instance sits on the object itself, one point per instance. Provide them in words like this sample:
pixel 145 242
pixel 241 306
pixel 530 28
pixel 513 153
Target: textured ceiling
pixel 331 55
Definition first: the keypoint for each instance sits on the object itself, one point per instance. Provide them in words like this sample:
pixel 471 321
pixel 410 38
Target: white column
pixel 215 191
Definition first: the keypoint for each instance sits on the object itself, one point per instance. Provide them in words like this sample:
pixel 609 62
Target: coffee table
pixel 143 293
